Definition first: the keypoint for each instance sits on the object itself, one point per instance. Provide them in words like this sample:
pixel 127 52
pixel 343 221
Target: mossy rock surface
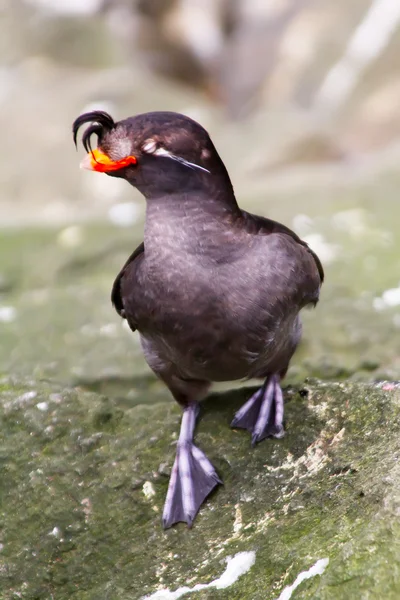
pixel 84 481
pixel 88 440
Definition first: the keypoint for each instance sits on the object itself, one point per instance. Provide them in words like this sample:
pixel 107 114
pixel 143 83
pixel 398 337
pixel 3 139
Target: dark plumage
pixel 213 291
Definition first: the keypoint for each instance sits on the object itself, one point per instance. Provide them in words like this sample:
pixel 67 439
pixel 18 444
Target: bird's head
pixel 159 153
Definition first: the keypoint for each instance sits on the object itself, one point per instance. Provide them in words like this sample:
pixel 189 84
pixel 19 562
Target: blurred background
pixel 301 98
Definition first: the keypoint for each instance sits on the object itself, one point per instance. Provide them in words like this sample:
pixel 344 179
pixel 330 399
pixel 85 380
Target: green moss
pixel 73 468
pixel 80 466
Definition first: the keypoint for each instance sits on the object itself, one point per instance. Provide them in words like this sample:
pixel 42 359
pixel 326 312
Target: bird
pixel 214 291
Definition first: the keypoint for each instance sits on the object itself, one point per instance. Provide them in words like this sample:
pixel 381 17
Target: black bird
pixel 214 292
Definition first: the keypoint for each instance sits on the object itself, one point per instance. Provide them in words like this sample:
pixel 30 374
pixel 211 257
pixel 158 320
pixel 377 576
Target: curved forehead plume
pixel 101 122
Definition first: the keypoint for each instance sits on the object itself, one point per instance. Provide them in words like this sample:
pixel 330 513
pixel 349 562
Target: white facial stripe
pixel 190 164
pixel 163 152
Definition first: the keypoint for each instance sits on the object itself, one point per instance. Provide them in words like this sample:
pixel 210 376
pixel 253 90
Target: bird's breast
pixel 215 322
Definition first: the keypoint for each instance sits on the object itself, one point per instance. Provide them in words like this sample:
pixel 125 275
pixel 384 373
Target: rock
pixel 89 435
pixel 80 529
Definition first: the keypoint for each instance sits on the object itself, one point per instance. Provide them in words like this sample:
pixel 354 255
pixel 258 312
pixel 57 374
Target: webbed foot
pixel 262 414
pixel 192 478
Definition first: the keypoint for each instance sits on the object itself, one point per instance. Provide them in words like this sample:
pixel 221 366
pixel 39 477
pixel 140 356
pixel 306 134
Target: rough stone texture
pixel 88 435
pixel 77 523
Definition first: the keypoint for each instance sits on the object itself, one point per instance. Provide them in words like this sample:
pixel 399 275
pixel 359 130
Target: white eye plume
pixel 150 147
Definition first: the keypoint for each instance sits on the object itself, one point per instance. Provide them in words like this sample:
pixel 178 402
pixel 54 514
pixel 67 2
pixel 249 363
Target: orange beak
pixel 98 161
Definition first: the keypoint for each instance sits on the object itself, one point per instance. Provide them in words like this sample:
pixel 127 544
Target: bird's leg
pixel 262 414
pixel 192 477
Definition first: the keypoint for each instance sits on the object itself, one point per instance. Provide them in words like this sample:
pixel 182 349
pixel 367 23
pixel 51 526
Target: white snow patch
pixel 7 314
pixel 236 566
pixel 389 299
pixel 124 214
pixel 316 569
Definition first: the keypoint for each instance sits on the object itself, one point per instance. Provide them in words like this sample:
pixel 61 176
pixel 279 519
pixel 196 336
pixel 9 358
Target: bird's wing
pixel 116 297
pixel 310 273
pixel 257 224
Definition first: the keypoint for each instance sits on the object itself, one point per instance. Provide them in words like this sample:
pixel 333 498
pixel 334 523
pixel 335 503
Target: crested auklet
pixel 214 292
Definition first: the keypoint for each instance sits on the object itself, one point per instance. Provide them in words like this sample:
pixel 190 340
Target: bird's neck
pixel 189 224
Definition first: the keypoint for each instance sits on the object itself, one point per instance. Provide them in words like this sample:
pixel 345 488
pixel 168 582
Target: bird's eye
pixel 150 146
